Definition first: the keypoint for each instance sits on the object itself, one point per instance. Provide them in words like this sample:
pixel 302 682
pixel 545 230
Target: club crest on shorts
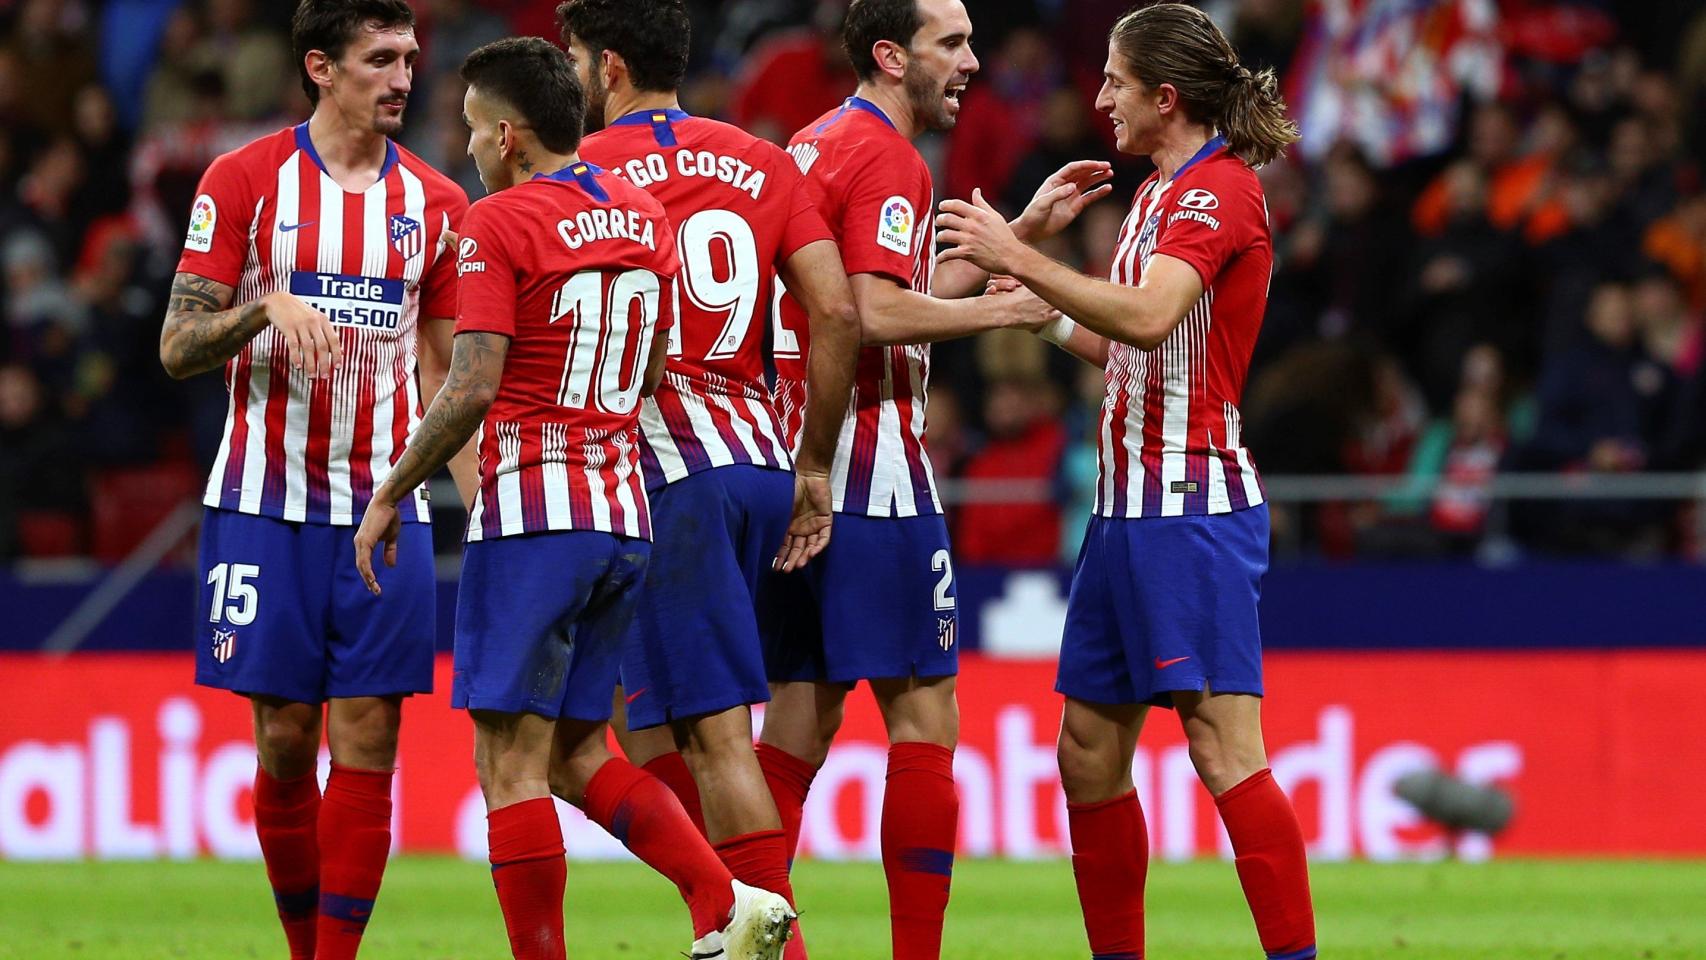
pixel 224 644
pixel 946 627
pixel 407 236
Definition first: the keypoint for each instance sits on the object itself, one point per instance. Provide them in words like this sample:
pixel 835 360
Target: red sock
pixel 1271 865
pixel 530 873
pixel 760 860
pixel 921 815
pixel 641 812
pixel 672 770
pixel 790 779
pixel 1110 859
pixel 355 839
pixel 286 815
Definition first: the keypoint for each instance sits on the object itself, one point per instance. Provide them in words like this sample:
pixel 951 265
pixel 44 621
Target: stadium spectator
pixel 254 60
pixel 51 42
pixel 793 77
pixel 1002 118
pixel 41 485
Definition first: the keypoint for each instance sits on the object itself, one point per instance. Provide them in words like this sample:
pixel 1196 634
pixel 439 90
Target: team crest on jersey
pixel 203 217
pixel 407 236
pixel 894 227
pixel 946 628
pixel 224 644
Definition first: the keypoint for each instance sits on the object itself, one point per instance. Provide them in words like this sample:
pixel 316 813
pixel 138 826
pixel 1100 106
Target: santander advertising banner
pixel 119 756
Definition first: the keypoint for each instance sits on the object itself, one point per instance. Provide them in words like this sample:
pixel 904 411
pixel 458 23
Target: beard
pixel 387 125
pixel 597 95
pixel 926 95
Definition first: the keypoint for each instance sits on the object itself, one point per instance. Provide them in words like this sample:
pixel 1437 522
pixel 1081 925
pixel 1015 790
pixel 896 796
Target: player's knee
pixel 1088 772
pixel 288 747
pixel 1222 764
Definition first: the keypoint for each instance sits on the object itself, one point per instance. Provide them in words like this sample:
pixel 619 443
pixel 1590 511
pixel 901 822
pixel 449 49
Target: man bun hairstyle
pixel 653 37
pixel 872 21
pixel 330 25
pixel 1178 44
pixel 533 76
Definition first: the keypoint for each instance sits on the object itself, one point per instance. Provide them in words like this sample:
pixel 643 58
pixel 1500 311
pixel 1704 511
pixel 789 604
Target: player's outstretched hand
pixel 808 534
pixel 308 335
pixel 380 524
pixel 1063 196
pixel 975 231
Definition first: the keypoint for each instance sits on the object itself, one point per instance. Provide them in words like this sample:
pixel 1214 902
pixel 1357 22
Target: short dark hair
pixel 329 25
pixel 532 75
pixel 871 21
pixel 651 36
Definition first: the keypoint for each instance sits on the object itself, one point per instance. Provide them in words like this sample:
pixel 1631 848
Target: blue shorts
pixel 697 644
pixel 283 612
pixel 540 620
pixel 879 603
pixel 1163 604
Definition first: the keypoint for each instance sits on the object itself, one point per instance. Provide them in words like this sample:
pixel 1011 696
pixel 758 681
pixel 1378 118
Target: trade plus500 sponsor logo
pixel 352 301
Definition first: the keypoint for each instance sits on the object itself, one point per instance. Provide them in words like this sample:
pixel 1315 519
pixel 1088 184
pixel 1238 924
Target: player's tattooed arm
pixel 203 331
pixel 476 369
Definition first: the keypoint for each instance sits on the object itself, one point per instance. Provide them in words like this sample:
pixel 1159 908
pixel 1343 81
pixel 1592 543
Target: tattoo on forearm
pixel 476 367
pixel 200 333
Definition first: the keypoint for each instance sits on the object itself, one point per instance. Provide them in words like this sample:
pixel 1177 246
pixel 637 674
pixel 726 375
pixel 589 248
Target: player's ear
pixel 319 67
pixel 891 58
pixel 1166 98
pixel 612 66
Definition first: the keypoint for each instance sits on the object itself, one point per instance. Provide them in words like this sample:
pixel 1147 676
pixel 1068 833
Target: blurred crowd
pixel 1526 297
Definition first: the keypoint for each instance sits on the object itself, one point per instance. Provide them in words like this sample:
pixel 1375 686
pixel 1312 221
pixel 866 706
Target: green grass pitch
pixel 440 908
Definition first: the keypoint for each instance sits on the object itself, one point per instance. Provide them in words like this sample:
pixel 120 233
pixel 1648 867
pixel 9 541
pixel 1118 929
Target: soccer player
pixel 1163 603
pixel 879 603
pixel 312 273
pixel 567 299
pixel 717 461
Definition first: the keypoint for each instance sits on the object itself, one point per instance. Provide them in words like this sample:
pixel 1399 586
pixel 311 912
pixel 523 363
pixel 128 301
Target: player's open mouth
pixel 953 93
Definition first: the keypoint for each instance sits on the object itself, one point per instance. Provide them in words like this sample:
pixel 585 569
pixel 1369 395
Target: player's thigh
pixel 383 646
pixel 600 630
pixel 919 709
pixel 1095 663
pixel 695 647
pixel 1097 742
pixel 1224 733
pixel 516 609
pixel 263 606
pixel 888 599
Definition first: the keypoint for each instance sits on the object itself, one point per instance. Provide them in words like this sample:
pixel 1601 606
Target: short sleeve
pixel 880 219
pixel 486 288
pixel 218 237
pixel 1210 223
pixel 667 266
pixel 804 225
pixel 438 287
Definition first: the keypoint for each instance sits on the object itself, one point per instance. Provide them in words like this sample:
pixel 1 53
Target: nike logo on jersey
pixel 293 227
pixel 1161 664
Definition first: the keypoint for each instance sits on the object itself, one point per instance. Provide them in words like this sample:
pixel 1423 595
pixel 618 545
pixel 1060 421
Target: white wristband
pixel 1059 331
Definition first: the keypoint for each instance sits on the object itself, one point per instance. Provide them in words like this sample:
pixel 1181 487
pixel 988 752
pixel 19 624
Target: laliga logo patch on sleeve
pixel 894 226
pixel 203 217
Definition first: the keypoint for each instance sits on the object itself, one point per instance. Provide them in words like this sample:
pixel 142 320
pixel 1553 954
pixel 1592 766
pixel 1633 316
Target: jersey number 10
pixel 612 322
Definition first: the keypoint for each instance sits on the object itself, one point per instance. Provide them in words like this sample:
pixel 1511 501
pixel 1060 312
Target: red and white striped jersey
pixel 740 209
pixel 874 191
pixel 268 218
pixel 1171 438
pixel 578 270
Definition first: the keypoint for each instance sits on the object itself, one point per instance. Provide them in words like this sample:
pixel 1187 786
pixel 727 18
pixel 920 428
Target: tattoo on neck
pixel 525 164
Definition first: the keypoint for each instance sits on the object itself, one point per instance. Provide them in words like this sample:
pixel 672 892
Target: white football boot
pixel 759 925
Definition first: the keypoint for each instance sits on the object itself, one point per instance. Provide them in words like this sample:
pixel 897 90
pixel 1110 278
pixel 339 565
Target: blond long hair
pixel 1178 44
